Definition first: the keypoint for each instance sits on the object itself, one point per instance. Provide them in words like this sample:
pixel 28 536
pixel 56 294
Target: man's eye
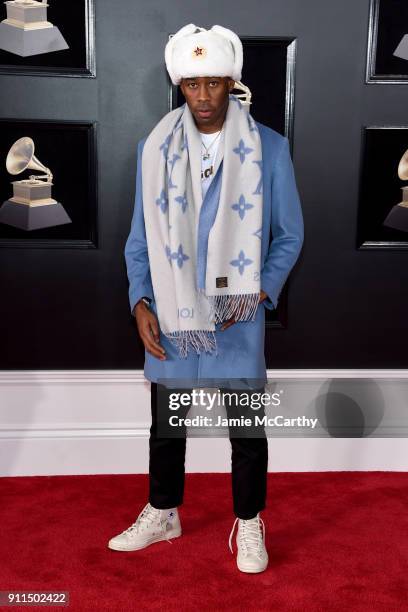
pixel 192 85
pixel 213 83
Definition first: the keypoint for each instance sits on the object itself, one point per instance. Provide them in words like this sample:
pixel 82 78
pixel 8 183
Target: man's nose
pixel 203 92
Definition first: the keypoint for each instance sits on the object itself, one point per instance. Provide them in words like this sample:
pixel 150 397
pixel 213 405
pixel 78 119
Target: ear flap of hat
pixel 236 45
pixel 168 51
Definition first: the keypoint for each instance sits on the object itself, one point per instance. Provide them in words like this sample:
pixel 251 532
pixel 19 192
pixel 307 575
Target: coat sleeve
pixel 136 255
pixel 287 228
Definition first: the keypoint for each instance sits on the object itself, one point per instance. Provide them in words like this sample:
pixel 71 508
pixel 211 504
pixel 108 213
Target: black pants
pixel 249 464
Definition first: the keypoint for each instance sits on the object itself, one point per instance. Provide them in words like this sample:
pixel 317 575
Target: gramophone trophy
pixel 26 30
pixel 244 97
pixel 402 49
pixel 398 217
pixel 31 206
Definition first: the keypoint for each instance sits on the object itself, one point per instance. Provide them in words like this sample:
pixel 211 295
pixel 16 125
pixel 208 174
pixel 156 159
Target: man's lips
pixel 204 112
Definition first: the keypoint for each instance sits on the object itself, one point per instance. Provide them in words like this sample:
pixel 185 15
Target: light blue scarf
pixel 200 280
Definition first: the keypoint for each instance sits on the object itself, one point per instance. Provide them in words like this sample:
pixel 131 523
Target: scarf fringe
pixel 222 307
pixel 197 339
pixel 241 306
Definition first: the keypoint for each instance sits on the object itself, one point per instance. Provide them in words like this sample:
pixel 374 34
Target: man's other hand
pixel 229 322
pixel 148 328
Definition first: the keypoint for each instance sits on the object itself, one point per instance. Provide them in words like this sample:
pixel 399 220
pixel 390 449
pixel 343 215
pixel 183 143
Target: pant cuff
pixel 165 505
pixel 248 514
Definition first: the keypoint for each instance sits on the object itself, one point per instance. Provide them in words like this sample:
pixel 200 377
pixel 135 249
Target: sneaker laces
pixel 250 535
pixel 148 516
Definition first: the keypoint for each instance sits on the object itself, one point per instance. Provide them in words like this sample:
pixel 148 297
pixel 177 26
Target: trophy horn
pixel 21 156
pixel 403 167
pixel 245 96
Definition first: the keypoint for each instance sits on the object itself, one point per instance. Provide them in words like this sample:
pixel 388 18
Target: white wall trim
pixel 97 421
pixel 22 377
pixel 137 376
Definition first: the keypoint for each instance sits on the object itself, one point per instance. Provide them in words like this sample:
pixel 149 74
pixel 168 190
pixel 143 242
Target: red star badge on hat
pixel 198 51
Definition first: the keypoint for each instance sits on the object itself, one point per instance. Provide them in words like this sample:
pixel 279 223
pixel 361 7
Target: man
pixel 211 184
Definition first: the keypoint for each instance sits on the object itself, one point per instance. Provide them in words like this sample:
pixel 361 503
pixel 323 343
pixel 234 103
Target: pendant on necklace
pixel 206 156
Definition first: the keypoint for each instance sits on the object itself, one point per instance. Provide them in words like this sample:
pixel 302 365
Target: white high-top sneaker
pixel 252 556
pixel 152 525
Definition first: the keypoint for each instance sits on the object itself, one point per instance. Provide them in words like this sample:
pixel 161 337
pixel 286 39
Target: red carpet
pixel 336 541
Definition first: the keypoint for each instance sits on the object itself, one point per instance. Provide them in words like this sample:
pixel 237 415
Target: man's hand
pixel 229 322
pixel 148 328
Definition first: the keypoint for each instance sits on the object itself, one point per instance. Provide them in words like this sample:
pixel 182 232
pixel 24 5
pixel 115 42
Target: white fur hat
pixel 194 52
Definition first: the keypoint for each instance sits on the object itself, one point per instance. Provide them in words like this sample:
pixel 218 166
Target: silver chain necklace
pixel 206 155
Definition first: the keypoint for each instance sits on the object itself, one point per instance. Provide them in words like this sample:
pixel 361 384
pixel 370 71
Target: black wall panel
pixel 68 308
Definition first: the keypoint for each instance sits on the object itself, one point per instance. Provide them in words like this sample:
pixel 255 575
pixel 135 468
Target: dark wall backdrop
pixel 68 308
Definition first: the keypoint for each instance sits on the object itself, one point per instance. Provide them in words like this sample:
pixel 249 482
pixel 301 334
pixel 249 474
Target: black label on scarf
pixel 221 281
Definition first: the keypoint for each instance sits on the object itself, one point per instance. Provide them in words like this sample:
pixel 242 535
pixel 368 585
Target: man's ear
pixel 231 84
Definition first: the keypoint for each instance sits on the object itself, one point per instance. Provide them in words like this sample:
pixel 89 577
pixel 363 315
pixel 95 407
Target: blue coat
pixel 240 346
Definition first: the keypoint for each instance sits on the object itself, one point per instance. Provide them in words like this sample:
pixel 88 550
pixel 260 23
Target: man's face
pixel 207 99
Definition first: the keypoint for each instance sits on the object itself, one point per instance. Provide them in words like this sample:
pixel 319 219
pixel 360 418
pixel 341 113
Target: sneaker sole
pixel 252 570
pixel 158 538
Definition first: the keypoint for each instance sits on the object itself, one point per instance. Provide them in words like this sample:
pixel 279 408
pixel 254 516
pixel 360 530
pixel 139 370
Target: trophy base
pixel 397 218
pixel 33 217
pixel 402 49
pixel 30 42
